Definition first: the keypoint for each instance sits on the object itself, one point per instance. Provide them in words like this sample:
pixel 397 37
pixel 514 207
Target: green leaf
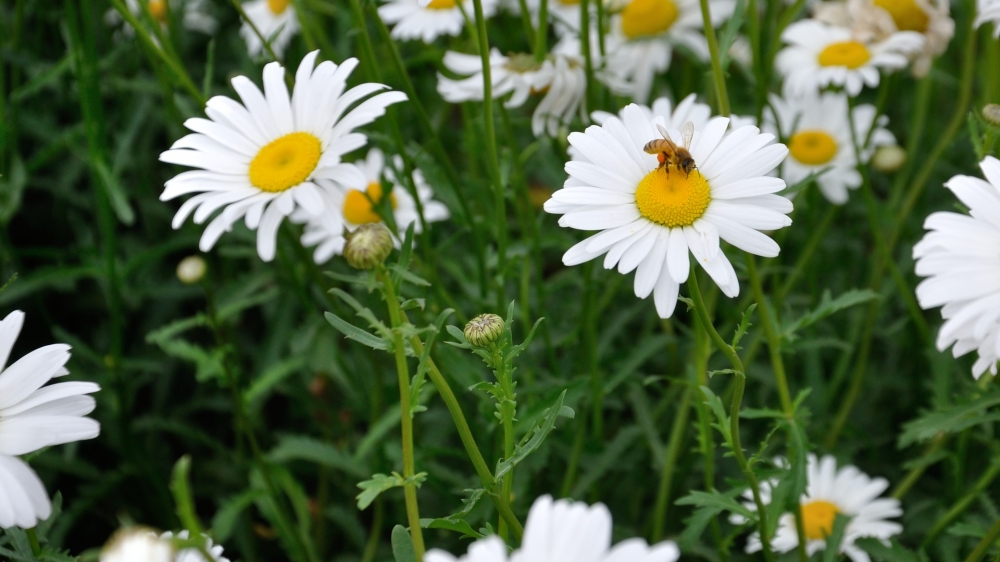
pixel 402 545
pixel 357 334
pixel 892 553
pixel 457 525
pixel 832 551
pixel 533 439
pixel 300 447
pixel 370 489
pixel 228 515
pixel 714 403
pixel 827 306
pixel 265 383
pixel 718 501
pixel 183 500
pixel 951 419
pixel 744 324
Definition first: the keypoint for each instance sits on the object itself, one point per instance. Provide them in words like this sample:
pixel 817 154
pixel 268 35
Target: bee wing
pixel 663 131
pixel 687 133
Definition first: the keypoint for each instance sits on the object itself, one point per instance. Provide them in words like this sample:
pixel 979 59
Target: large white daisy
pixel 988 11
pixel 276 21
pixel 348 205
pixel 820 55
pixel 642 37
pixel 819 140
pixel 830 491
pixel 688 109
pixel 651 216
pixel 564 531
pixel 959 257
pixel 428 20
pixel 260 159
pixel 34 416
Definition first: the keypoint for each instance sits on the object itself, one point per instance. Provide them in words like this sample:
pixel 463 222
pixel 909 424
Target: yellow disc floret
pixel 285 162
pixel 907 14
pixel 278 7
pixel 358 208
pixel 643 18
pixel 817 518
pixel 851 54
pixel 158 9
pixel 673 199
pixel 812 147
pixel 442 4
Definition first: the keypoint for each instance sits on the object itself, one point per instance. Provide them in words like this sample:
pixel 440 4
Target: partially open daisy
pixel 651 216
pixel 429 19
pixel 641 39
pixel 831 491
pixel 559 78
pixel 988 11
pixel 960 257
pixel 564 531
pixel 260 159
pixel 348 205
pixel 193 14
pixel 34 416
pixel 819 140
pixel 820 55
pixel 276 21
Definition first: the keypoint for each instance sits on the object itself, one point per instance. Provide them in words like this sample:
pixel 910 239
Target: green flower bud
pixel 484 329
pixel 889 158
pixel 368 246
pixel 191 270
pixel 991 112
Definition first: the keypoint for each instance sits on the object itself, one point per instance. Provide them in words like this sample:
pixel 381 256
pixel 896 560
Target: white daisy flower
pixel 988 11
pixel 641 39
pixel 958 256
pixel 560 77
pixel 819 140
pixel 651 216
pixel 195 15
pixel 428 20
pixel 137 543
pixel 193 554
pixel 34 416
pixel 261 159
pixel 820 55
pixel 276 21
pixel 348 205
pixel 830 491
pixel 564 531
pixel 689 109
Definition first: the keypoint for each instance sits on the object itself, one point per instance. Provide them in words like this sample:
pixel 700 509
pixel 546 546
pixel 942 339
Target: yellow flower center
pixel 907 14
pixel 812 147
pixel 158 9
pixel 441 4
pixel 673 199
pixel 285 162
pixel 817 518
pixel 643 18
pixel 278 7
pixel 358 209
pixel 851 54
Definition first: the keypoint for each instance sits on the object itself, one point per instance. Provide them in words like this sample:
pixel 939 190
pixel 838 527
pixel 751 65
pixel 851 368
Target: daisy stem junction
pixel 36 548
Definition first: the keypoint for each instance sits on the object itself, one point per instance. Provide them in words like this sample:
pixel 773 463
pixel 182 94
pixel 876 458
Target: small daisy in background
pixel 276 21
pixel 427 20
pixel 877 20
pixel 261 159
pixel 988 11
pixel 192 554
pixel 830 491
pixel 959 258
pixel 641 40
pixel 651 215
pixel 348 205
pixel 559 79
pixel 820 55
pixel 564 531
pixel 819 140
pixel 194 14
pixel 34 416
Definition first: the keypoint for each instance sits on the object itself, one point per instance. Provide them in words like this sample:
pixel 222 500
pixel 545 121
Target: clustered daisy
pixel 276 22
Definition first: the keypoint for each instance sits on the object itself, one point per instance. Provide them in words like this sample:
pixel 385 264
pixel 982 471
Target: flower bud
pixel 991 112
pixel 484 329
pixel 368 246
pixel 137 543
pixel 191 270
pixel 889 158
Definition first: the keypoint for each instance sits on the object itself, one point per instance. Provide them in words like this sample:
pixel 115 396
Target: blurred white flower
pixel 275 20
pixel 959 258
pixel 261 159
pixel 195 14
pixel 193 554
pixel 651 216
pixel 429 19
pixel 988 11
pixel 134 544
pixel 564 531
pixel 348 205
pixel 830 491
pixel 34 416
pixel 820 55
pixel 819 140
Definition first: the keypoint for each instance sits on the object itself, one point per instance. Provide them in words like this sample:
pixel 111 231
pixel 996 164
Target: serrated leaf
pixel 826 307
pixel 457 525
pixel 533 439
pixel 950 420
pixel 370 489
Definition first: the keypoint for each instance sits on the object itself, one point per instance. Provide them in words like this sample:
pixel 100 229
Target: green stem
pixel 773 338
pixel 406 416
pixel 961 505
pixel 991 537
pixel 705 435
pixel 267 44
pixel 812 244
pixel 918 118
pixel 371 547
pixel 36 549
pixel 529 30
pixel 713 48
pixel 673 451
pixel 542 32
pixel 588 62
pixel 507 420
pixel 917 471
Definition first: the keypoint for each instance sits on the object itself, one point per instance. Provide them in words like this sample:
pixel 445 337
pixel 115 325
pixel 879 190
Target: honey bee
pixel 669 154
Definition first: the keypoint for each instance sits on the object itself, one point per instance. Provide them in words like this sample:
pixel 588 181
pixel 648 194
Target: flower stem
pixel 542 32
pixel 670 464
pixel 36 549
pixel 719 77
pixel 917 471
pixel 256 31
pixel 507 420
pixel 406 416
pixel 991 537
pixel 588 62
pixel 985 480
pixel 812 244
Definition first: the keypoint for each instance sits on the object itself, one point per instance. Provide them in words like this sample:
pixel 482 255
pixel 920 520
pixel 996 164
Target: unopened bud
pixel 991 112
pixel 137 543
pixel 368 246
pixel 484 329
pixel 889 158
pixel 191 270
